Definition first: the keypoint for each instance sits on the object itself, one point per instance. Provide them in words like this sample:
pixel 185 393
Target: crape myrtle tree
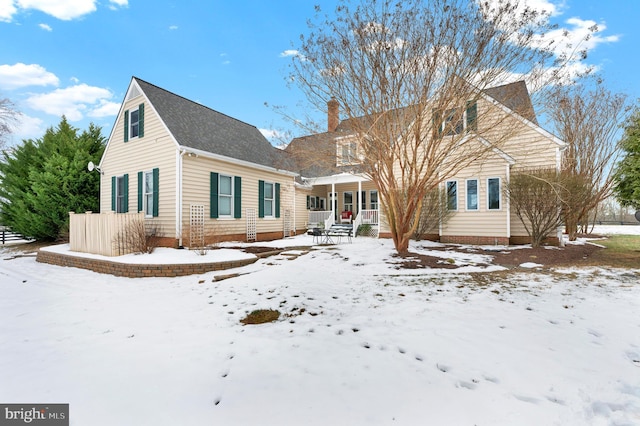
pixel 627 174
pixel 415 70
pixel 587 117
pixel 42 180
pixel 535 196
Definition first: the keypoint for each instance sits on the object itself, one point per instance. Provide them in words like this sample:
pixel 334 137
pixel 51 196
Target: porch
pixel 366 222
pixel 344 198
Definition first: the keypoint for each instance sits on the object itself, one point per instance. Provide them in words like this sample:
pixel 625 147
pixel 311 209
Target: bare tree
pixel 8 117
pixel 588 120
pixel 411 76
pixel 535 196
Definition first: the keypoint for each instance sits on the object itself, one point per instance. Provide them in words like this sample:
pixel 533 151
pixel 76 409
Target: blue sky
pixel 76 57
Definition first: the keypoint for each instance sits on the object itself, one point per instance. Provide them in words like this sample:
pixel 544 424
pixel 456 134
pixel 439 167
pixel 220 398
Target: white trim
pixel 336 179
pixel 229 196
pixel 520 118
pixel 148 104
pixel 206 154
pixel 508 201
pixel 466 194
pixel 499 193
pixel 179 155
pixel 446 188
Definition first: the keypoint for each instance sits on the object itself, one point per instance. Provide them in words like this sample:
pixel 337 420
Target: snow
pixel 360 342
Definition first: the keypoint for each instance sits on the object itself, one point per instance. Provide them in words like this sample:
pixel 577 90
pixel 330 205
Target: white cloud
pixel 75 80
pixel 105 108
pixel 276 137
pixel 119 3
pixel 173 27
pixel 61 9
pixel 22 75
pixel 72 102
pixel 290 52
pixel 28 128
pixel 45 27
pixel 580 35
pixel 7 10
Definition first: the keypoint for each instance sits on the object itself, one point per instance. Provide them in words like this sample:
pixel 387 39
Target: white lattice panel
pixel 196 226
pixel 252 219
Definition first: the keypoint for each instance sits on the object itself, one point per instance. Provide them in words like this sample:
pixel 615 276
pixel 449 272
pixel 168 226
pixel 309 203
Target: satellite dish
pixel 91 166
pixel 638 215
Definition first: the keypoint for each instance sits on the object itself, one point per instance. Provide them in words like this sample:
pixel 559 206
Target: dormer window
pixel 456 121
pixel 347 153
pixel 134 123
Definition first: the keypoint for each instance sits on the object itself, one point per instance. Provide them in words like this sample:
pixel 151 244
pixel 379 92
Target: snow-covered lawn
pixel 360 342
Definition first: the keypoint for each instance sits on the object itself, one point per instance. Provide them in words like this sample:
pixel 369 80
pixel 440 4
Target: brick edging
pixel 130 270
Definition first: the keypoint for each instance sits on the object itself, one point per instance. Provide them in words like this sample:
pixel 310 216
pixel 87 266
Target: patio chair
pixel 317 235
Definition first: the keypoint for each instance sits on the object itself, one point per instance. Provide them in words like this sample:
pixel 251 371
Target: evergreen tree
pixel 43 180
pixel 627 175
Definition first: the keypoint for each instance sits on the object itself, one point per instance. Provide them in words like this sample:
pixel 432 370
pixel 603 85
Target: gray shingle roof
pixel 196 126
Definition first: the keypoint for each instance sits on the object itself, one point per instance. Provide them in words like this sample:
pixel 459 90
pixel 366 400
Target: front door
pixel 333 201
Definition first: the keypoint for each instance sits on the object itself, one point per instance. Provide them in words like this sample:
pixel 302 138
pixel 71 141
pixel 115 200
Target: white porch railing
pixel 320 217
pixel 366 217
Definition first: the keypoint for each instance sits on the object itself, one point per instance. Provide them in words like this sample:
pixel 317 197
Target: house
pixel 329 163
pixel 190 168
pixel 187 166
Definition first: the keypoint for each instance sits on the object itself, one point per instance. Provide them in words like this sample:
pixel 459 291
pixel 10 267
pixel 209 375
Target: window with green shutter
pixel 120 193
pixel 134 123
pixel 268 199
pixel 225 196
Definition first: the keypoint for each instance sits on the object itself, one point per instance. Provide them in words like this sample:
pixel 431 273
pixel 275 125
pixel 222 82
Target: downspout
pixel 179 154
pixel 508 178
pixel 559 152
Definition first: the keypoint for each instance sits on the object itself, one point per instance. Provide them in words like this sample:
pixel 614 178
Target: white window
pixel 225 196
pixel 268 199
pixel 452 195
pixel 373 199
pixel 472 194
pixel 147 194
pixel 457 120
pixel 493 194
pixel 121 193
pixel 134 123
pixel 348 153
pixel 348 201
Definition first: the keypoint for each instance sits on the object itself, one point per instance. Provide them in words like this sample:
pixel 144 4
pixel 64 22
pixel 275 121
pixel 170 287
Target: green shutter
pixel 141 120
pixel 308 202
pixel 126 126
pixel 472 115
pixel 237 197
pixel 277 195
pixel 156 191
pixel 140 186
pixel 125 201
pixel 113 193
pixel 260 198
pixel 213 194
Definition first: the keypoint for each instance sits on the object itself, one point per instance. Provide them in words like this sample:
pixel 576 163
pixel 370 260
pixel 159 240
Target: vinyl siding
pixel 482 222
pixel 196 187
pixel 155 149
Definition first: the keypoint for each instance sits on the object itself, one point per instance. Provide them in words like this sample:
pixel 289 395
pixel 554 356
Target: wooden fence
pixel 98 233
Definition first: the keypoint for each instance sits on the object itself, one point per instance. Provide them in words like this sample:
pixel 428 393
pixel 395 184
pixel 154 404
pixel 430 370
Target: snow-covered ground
pixel 361 342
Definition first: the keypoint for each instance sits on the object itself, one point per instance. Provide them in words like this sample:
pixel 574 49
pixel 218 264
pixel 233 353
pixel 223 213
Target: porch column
pixel 358 198
pixel 334 199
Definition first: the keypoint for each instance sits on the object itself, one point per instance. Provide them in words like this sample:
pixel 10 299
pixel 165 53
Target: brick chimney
pixel 333 115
